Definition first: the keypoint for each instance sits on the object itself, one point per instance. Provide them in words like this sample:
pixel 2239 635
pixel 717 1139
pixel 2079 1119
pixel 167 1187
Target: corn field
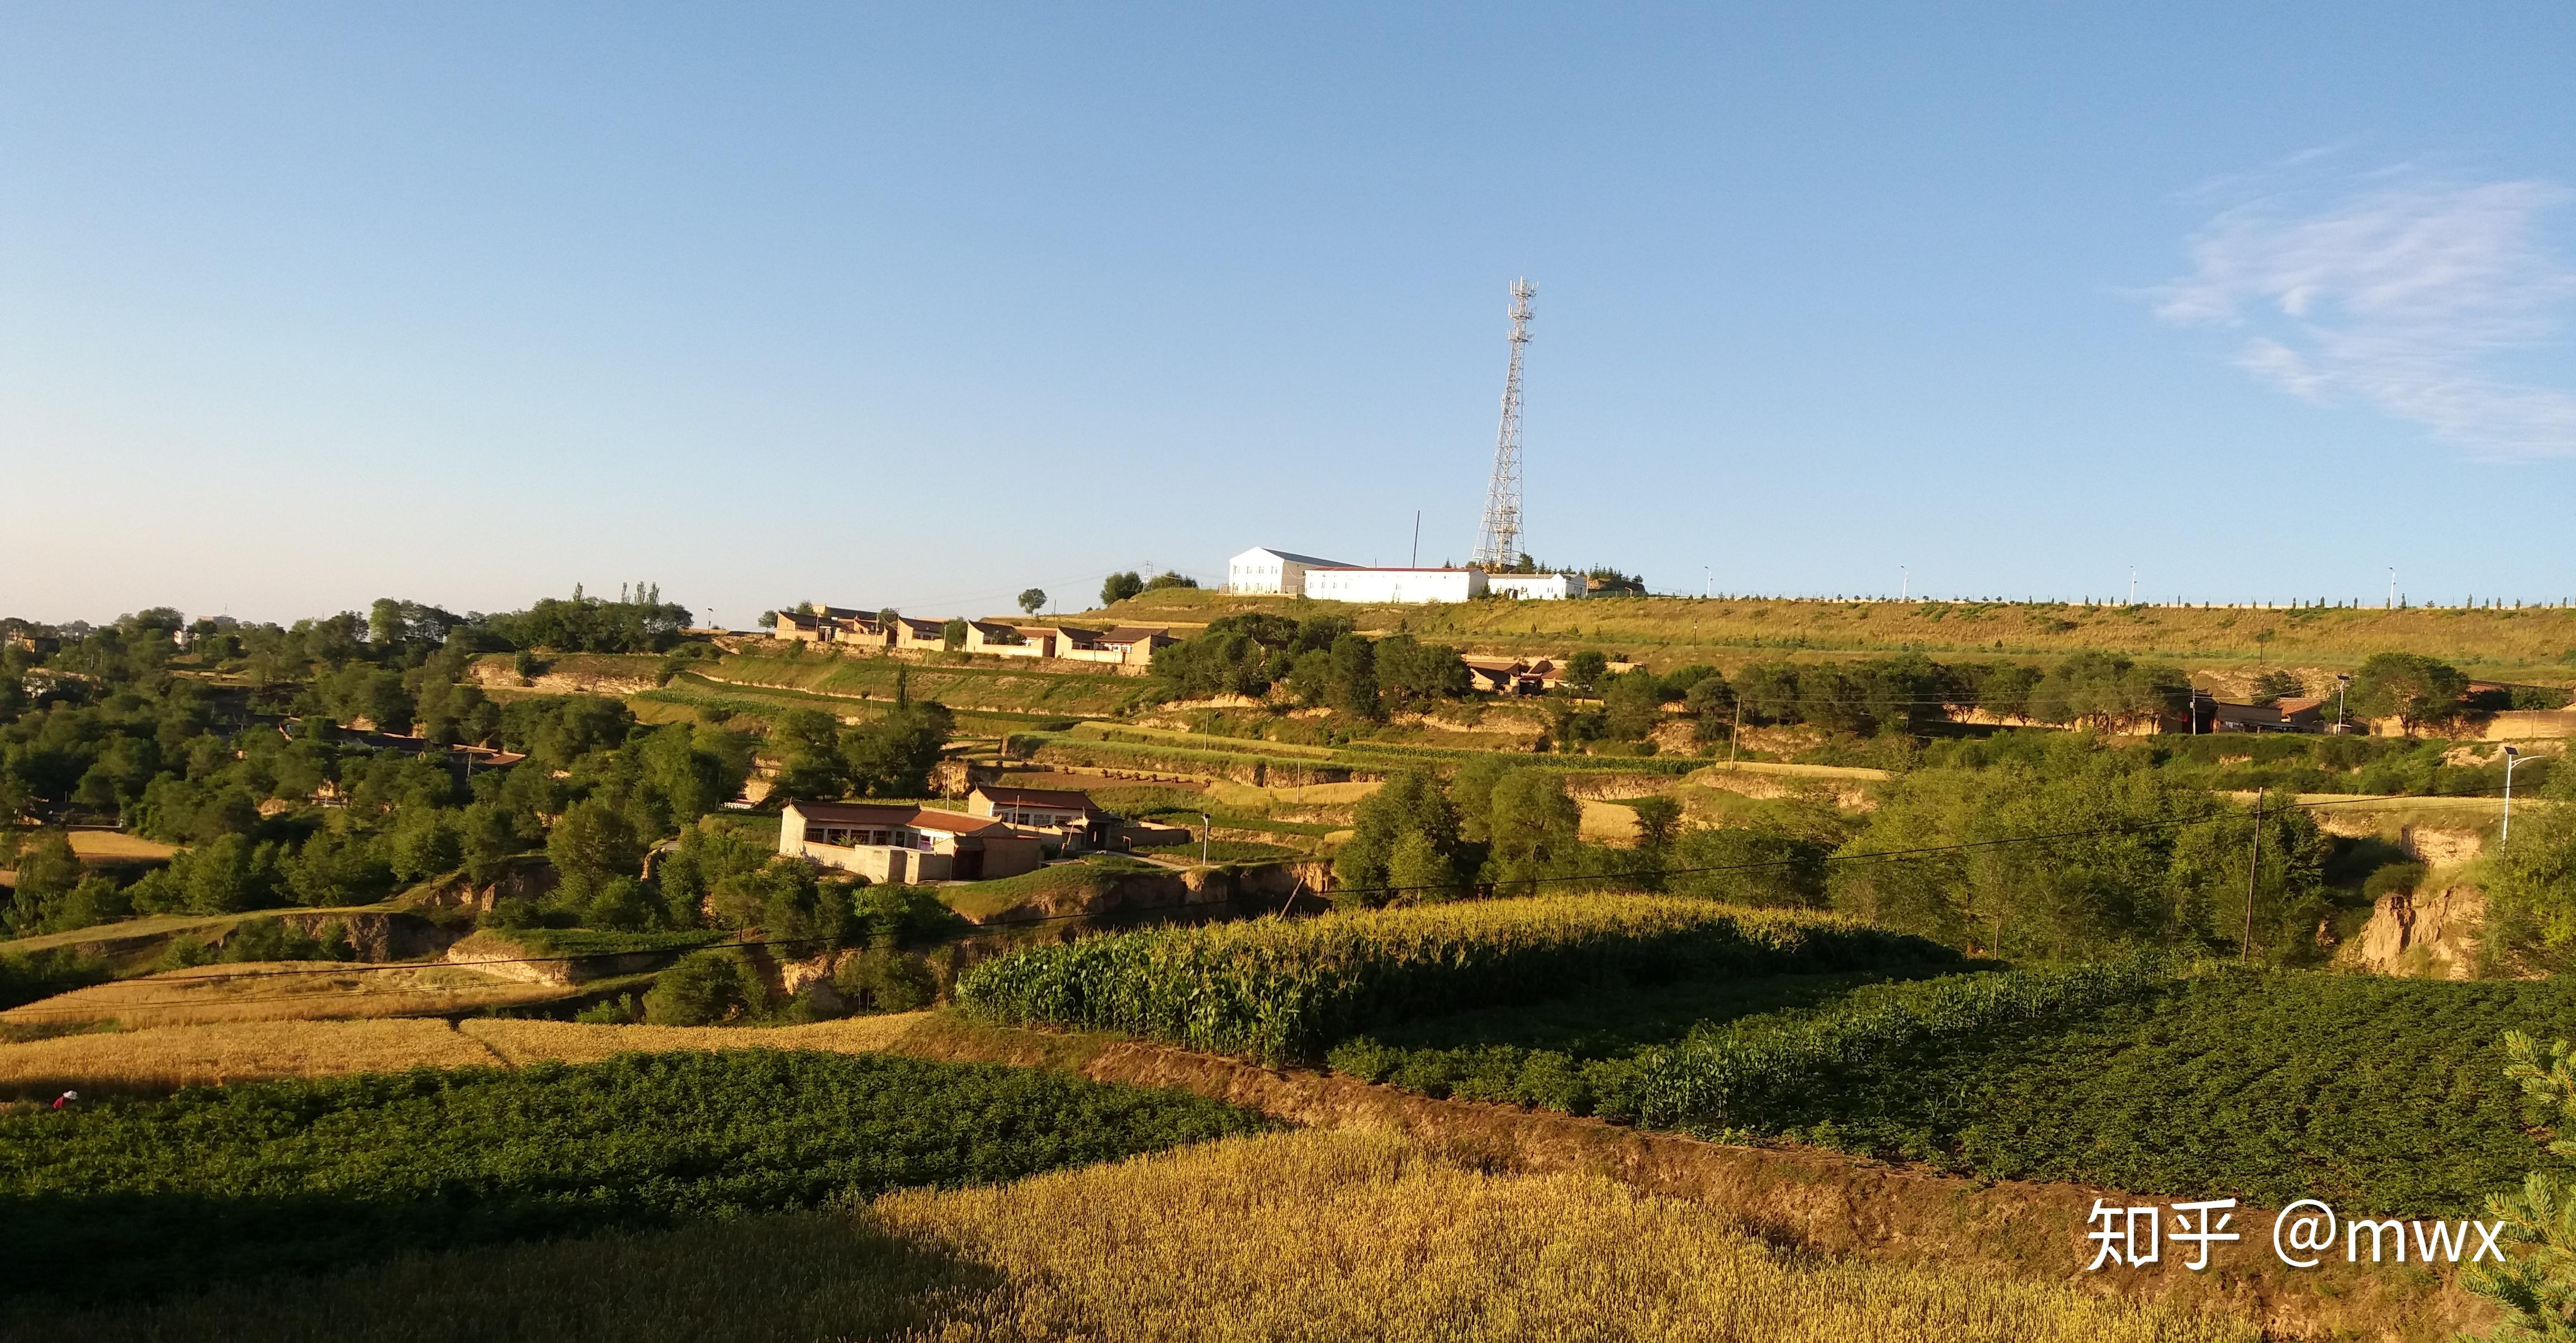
pixel 1282 990
pixel 1738 1077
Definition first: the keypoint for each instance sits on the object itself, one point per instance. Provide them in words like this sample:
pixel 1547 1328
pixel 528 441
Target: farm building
pixel 1513 676
pixel 2289 715
pixel 900 843
pixel 1068 818
pixel 1262 570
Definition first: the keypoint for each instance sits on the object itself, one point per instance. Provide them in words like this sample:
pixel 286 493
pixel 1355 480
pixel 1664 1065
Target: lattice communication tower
pixel 1498 545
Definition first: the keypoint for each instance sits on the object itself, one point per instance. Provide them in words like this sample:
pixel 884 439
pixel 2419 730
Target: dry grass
pixel 165 1058
pixel 1324 1236
pixel 110 846
pixel 574 1042
pixel 1667 632
pixel 282 991
pixel 1349 1235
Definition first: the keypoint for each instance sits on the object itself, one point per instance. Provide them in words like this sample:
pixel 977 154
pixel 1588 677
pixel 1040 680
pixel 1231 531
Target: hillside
pixel 2532 643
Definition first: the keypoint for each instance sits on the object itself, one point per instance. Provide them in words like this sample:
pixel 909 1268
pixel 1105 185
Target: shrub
pixel 1280 989
pixel 706 987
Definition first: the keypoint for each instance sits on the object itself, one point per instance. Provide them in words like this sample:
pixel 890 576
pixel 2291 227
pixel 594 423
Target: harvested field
pixel 283 991
pixel 111 846
pixel 165 1058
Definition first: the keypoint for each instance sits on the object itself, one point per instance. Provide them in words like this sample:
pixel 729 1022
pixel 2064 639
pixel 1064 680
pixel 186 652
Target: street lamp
pixel 1208 827
pixel 2343 682
pixel 2512 757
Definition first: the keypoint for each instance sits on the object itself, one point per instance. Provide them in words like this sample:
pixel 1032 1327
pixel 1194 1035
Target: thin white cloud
pixel 2406 296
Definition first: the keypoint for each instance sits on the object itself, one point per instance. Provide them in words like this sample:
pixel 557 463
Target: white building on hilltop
pixel 1277 573
pixel 1350 583
pixel 1536 587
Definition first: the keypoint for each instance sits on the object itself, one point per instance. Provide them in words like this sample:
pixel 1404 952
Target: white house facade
pixel 1262 570
pixel 1344 583
pixel 1536 587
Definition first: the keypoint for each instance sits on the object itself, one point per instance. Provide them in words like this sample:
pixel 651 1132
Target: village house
pixel 2289 715
pixel 1512 676
pixel 833 625
pixel 904 843
pixel 1128 649
pixel 1065 820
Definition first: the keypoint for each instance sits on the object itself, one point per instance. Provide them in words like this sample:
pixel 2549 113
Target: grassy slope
pixel 996 685
pixel 2526 644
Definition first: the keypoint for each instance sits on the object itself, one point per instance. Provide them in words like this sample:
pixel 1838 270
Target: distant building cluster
pixel 1262 570
pixel 1124 648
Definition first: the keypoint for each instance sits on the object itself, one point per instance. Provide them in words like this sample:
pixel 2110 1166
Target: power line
pixel 984 930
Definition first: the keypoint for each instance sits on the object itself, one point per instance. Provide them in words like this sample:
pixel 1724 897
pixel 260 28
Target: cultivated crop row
pixel 258 1178
pixel 1279 989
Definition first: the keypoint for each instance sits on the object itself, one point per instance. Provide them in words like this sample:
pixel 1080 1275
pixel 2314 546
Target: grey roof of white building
pixel 1308 560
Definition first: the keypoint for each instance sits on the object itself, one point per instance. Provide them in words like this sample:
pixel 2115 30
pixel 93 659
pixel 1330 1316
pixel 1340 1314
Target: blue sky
pixel 305 305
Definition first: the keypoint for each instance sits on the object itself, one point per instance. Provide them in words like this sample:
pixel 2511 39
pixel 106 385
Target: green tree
pixel 425 844
pixel 892 755
pixel 2418 692
pixel 1585 670
pixel 2530 885
pixel 808 742
pixel 1659 819
pixel 2272 687
pixel 1119 587
pixel 704 988
pixel 47 872
pixel 1410 804
pixel 952 636
pixel 1032 600
pixel 2536 1283
pixel 1632 705
pixel 1763 865
pixel 1354 678
pixel 593 843
pixel 1534 825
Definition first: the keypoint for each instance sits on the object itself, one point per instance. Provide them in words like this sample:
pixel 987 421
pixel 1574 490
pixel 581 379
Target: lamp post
pixel 1206 828
pixel 2512 758
pixel 2343 682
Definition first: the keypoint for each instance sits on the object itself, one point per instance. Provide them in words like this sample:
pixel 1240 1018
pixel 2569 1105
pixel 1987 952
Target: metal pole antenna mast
pixel 1498 545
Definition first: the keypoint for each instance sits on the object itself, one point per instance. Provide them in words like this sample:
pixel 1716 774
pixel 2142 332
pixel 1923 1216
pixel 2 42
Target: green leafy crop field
pixel 2382 1095
pixel 247 1180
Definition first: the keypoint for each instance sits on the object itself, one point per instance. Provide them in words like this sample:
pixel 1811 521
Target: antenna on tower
pixel 1498 545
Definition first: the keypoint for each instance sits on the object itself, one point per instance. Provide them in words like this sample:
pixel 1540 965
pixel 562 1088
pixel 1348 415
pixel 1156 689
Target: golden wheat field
pixel 163 1058
pixel 282 991
pixel 1326 1236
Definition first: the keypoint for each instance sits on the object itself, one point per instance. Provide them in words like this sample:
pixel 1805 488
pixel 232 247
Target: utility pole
pixel 1904 583
pixel 2245 949
pixel 1417 539
pixel 1498 545
pixel 2133 585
